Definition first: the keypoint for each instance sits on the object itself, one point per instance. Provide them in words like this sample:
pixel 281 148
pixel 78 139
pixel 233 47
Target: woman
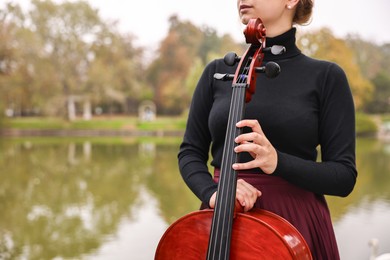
pixel 309 105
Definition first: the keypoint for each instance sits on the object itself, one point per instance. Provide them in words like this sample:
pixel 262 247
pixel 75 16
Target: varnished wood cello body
pixel 226 232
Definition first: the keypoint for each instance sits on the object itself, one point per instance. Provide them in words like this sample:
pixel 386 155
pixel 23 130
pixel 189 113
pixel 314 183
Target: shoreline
pixel 88 133
pixel 120 132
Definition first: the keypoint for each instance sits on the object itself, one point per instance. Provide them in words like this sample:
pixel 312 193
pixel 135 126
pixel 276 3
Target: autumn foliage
pixel 57 51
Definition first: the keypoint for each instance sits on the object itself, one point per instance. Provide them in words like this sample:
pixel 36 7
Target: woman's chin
pixel 245 20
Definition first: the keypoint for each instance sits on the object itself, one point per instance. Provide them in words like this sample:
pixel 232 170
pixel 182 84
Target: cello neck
pixel 221 228
pixel 243 86
pixel 219 242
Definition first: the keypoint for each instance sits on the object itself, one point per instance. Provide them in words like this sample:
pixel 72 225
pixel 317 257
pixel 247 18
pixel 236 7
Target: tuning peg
pixel 231 59
pixel 275 49
pixel 223 77
pixel 271 69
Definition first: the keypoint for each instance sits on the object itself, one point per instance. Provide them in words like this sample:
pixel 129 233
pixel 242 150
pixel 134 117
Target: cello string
pixel 224 181
pixel 233 178
pixel 238 99
pixel 222 193
pixel 228 175
pixel 239 114
pixel 228 197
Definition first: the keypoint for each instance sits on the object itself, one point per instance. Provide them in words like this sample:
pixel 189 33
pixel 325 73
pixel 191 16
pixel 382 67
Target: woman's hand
pixel 256 144
pixel 246 195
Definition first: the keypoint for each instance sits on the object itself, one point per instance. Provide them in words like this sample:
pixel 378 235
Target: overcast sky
pixel 148 19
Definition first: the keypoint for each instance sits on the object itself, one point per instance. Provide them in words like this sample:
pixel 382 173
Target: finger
pixel 246 194
pixel 239 149
pixel 243 197
pixel 240 198
pixel 245 166
pixel 245 188
pixel 249 147
pixel 212 200
pixel 254 124
pixel 244 201
pixel 267 166
pixel 250 187
pixel 251 137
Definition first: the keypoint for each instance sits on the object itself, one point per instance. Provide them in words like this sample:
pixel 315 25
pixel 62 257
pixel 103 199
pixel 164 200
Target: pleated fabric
pixel 306 211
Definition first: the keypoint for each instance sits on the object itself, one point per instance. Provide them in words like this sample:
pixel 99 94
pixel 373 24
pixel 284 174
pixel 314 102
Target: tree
pixel 15 57
pixel 66 30
pixel 323 45
pixel 182 53
pixel 374 62
pixel 57 52
pixel 175 56
pixel 116 72
pixel 381 97
pixel 367 55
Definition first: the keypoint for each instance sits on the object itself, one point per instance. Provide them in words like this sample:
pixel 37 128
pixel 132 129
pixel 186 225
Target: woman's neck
pixel 274 30
pixel 286 39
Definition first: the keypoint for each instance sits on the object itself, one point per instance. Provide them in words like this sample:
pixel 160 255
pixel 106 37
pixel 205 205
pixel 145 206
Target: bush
pixel 365 125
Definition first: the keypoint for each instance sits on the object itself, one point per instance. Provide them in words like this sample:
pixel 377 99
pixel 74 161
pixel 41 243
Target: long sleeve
pixel 336 173
pixel 194 150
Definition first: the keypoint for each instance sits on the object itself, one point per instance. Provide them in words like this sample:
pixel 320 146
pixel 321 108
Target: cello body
pixel 257 234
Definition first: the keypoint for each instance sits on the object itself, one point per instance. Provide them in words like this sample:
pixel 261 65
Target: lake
pixel 113 198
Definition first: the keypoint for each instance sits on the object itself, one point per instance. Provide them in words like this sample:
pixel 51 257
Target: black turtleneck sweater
pixel 309 105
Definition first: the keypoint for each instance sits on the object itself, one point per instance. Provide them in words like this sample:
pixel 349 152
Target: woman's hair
pixel 303 12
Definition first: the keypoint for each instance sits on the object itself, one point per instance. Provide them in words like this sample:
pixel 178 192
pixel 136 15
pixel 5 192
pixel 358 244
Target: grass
pixel 97 123
pixel 166 123
pixel 365 124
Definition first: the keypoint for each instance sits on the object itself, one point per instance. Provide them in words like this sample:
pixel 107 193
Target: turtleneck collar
pixel 287 40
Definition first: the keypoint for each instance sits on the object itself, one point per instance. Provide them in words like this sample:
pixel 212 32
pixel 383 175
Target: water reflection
pixel 58 201
pixel 365 213
pixel 355 228
pixel 65 199
pixel 114 198
pixel 136 236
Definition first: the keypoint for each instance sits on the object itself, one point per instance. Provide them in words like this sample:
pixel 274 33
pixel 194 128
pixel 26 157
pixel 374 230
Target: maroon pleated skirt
pixel 306 211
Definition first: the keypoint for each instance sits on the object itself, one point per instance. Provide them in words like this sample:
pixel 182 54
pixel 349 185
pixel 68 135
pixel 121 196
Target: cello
pixel 226 232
